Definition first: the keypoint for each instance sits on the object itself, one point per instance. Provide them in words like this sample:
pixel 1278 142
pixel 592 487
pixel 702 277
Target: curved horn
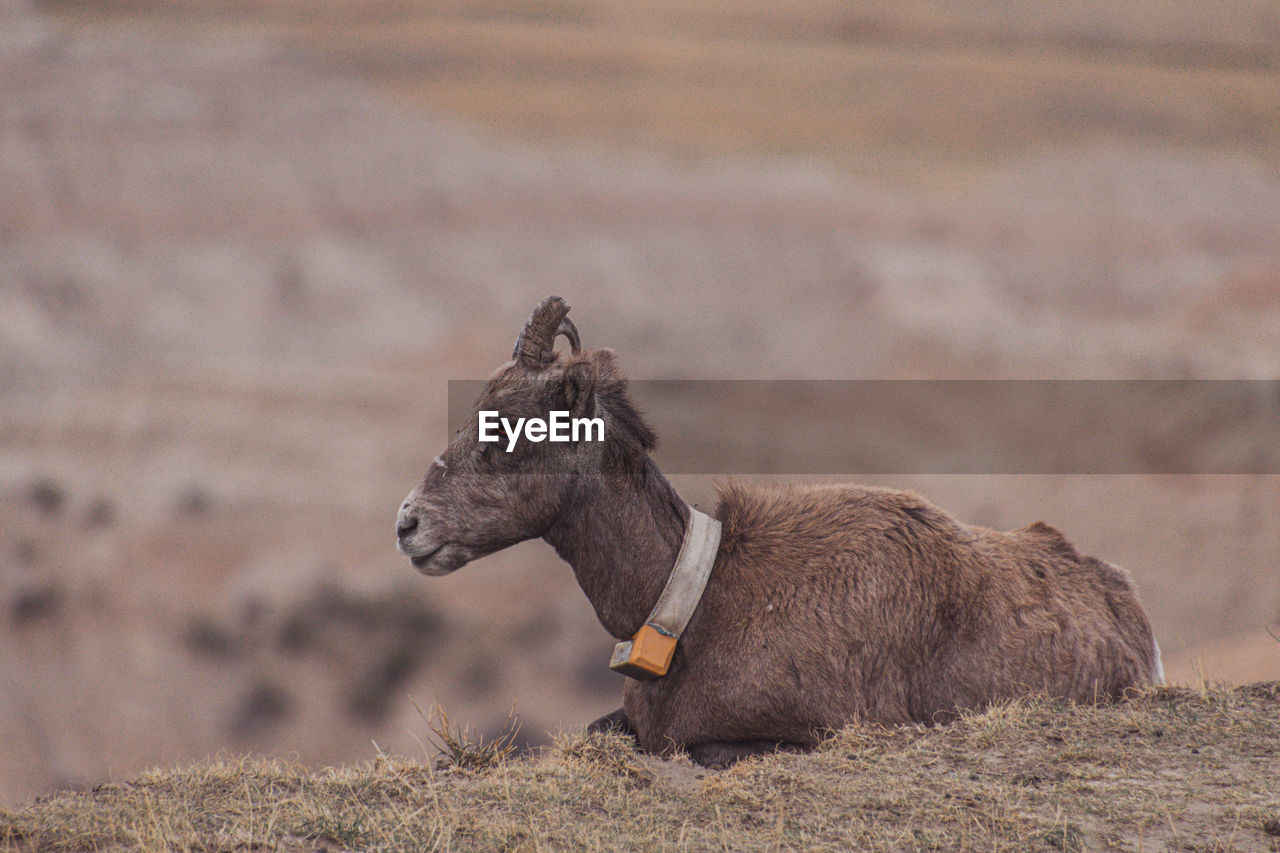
pixel 535 347
pixel 570 331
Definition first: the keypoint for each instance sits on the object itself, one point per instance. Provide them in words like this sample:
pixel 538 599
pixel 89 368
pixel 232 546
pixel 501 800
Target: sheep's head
pixel 481 496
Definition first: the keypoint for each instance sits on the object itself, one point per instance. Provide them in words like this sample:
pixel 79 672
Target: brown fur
pixel 826 604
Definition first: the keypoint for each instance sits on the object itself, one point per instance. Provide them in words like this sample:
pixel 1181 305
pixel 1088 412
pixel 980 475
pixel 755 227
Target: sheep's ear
pixel 580 389
pixel 606 362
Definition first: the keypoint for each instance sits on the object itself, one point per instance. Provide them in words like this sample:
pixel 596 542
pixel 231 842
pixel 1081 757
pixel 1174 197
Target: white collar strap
pixel 647 655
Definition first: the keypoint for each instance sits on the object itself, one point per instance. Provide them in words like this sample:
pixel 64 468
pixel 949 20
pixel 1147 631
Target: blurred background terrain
pixel 244 245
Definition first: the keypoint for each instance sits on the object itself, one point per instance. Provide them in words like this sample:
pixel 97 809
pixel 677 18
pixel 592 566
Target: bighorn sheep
pixel 824 605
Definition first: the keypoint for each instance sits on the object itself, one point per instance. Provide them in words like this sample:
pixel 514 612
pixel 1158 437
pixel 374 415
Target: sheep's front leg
pixel 720 754
pixel 616 722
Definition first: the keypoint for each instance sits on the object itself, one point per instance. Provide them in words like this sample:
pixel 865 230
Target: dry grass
pixel 1169 769
pixel 465 749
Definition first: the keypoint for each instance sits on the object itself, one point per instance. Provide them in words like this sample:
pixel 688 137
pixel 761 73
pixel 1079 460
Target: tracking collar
pixel 647 655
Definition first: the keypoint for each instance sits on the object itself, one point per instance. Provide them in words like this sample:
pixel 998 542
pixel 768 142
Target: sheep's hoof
pixel 616 722
pixel 718 755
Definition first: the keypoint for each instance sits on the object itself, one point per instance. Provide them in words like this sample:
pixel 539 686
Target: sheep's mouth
pixel 421 561
pixel 443 559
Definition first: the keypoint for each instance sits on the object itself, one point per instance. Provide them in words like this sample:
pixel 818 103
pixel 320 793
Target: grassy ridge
pixel 1167 769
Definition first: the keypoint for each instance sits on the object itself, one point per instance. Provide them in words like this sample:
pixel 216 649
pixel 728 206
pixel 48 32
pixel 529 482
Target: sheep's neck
pixel 621 534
